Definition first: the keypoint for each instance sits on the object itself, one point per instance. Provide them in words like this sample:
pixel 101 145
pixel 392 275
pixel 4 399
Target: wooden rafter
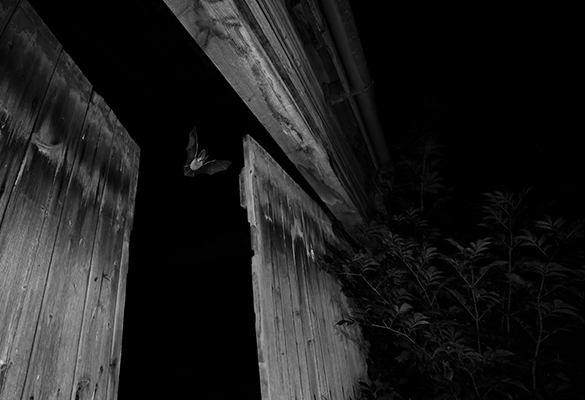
pixel 255 46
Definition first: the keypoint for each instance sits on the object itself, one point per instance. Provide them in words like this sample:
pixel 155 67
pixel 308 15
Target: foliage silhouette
pixel 499 317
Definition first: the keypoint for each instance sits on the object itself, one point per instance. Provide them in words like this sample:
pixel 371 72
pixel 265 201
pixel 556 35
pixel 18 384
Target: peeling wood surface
pixel 7 7
pixel 28 55
pixel 68 173
pixel 301 352
pixel 255 46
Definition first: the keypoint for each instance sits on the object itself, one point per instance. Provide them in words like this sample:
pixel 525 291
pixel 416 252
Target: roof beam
pixel 255 46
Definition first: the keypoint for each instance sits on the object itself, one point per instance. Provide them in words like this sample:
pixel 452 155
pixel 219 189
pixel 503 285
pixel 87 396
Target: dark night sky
pixel 510 86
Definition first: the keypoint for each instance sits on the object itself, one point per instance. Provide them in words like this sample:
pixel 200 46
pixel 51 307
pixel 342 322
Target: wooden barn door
pixel 68 173
pixel 302 352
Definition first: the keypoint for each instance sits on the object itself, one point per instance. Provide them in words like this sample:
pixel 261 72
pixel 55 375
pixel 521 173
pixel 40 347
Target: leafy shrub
pixel 499 317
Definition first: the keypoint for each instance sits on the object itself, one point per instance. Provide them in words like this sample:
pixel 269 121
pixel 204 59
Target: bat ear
pixel 192 138
pixel 192 146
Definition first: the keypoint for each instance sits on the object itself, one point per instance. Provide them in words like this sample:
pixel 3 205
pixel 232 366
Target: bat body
pixel 198 162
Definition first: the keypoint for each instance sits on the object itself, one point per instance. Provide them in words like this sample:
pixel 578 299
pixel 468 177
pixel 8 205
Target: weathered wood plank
pixel 303 356
pixel 262 277
pixel 28 55
pixel 308 344
pixel 301 79
pixel 316 321
pixel 41 184
pixel 52 151
pixel 350 339
pixel 93 352
pixel 273 214
pixel 328 319
pixel 129 154
pixel 306 385
pixel 244 40
pixel 59 175
pixel 33 51
pixel 322 325
pixel 285 259
pixel 301 242
pixel 7 7
pixel 26 49
pixel 336 314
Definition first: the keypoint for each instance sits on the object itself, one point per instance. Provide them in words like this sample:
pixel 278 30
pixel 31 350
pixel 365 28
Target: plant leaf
pixel 404 308
pixel 516 383
pixel 499 353
pixel 515 278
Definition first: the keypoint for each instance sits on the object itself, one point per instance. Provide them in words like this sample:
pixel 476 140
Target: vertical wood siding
pixel 68 173
pixel 302 353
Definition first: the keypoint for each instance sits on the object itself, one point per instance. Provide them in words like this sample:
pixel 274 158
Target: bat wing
pixel 209 168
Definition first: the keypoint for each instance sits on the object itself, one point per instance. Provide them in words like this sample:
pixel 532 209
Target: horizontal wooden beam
pixel 255 46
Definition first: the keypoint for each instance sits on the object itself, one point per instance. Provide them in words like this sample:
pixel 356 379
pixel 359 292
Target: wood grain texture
pixel 128 175
pixel 28 54
pixel 92 355
pixel 7 8
pixel 256 48
pixel 301 353
pixel 48 171
pixel 69 173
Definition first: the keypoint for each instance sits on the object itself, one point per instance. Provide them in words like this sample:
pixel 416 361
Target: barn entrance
pixel 189 319
pixel 192 324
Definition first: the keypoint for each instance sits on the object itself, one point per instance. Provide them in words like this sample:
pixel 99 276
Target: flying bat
pixel 198 162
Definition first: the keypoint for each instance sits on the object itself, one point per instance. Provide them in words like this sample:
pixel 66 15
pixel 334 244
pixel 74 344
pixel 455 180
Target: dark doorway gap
pixel 189 327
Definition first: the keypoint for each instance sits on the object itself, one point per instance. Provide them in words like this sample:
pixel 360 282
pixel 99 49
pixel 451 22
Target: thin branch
pixel 375 290
pixel 400 334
